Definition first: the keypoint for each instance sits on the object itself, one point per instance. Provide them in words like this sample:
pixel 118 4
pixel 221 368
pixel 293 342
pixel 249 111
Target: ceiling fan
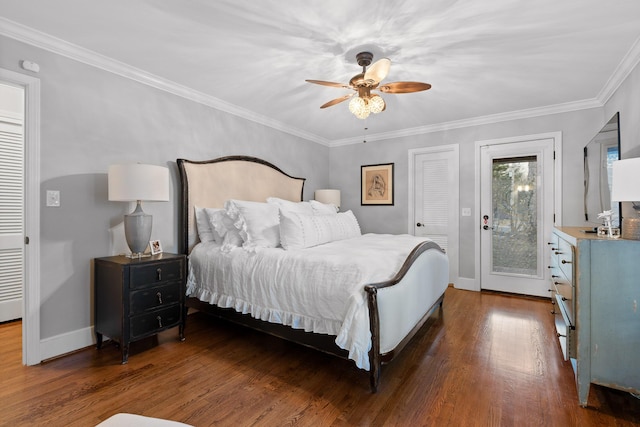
pixel 367 101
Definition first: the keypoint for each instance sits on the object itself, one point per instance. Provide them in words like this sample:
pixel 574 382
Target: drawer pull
pixel 159 274
pixel 159 321
pixel 554 276
pixel 564 261
pixel 559 335
pixel 558 253
pixel 564 299
pixel 159 295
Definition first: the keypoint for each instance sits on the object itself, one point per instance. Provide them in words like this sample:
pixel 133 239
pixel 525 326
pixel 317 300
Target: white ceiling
pixel 484 58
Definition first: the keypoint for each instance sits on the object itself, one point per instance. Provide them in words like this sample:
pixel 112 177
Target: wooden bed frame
pixel 210 183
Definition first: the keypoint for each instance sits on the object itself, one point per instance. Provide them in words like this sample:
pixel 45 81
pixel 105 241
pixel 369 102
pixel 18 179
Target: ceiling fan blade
pixel 403 87
pixel 332 84
pixel 337 101
pixel 377 71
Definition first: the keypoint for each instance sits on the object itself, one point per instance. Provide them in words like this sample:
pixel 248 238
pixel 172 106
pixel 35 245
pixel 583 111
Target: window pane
pixel 515 234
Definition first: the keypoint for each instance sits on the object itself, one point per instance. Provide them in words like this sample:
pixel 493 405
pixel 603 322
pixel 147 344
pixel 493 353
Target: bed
pixel 299 290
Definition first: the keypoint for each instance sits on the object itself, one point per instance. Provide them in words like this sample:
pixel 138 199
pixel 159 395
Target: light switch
pixel 53 198
pixel 466 211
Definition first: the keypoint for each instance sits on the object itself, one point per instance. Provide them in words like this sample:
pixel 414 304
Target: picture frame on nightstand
pixel 155 246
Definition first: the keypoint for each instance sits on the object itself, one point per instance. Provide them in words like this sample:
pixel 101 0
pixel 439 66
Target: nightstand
pixel 137 298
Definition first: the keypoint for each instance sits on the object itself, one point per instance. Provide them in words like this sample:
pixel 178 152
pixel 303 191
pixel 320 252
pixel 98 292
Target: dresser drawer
pixel 565 297
pixel 155 274
pixel 564 258
pixel 156 297
pixel 566 337
pixel 155 321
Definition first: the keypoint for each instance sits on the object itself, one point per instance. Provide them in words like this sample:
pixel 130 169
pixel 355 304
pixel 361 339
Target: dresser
pixel 596 291
pixel 137 298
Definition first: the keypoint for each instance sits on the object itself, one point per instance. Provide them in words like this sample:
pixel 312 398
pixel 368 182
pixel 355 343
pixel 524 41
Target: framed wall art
pixel 376 184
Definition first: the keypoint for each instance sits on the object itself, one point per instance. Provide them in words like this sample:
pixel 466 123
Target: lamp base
pixel 631 228
pixel 137 256
pixel 137 230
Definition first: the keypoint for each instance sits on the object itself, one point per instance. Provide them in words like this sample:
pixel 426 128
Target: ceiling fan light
pixel 376 104
pixel 359 107
pixel 356 104
pixel 363 114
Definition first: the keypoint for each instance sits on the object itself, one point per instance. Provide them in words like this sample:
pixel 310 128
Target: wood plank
pixel 484 359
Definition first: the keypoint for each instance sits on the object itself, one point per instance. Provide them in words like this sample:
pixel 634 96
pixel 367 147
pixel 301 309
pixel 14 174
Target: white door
pixel 516 215
pixel 11 202
pixel 433 210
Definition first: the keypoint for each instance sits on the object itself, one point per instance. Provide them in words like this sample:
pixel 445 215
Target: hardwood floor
pixel 484 360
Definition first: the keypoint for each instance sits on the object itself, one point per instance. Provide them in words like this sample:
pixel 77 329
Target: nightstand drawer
pixel 156 273
pixel 155 321
pixel 157 297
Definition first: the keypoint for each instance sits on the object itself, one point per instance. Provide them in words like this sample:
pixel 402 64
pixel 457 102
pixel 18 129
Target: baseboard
pixel 66 343
pixel 467 284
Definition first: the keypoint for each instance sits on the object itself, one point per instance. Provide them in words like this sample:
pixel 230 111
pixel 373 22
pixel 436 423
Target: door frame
pixel 31 284
pixel 557 185
pixel 454 243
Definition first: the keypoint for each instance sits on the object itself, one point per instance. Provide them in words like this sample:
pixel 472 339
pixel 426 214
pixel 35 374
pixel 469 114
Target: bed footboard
pixel 400 306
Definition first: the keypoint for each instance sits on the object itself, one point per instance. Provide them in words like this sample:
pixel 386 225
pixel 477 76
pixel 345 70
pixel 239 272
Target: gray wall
pixel 91 119
pixel 577 130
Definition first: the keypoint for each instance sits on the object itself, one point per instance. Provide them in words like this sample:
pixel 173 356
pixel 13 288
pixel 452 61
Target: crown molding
pixel 53 44
pixel 476 121
pixel 622 71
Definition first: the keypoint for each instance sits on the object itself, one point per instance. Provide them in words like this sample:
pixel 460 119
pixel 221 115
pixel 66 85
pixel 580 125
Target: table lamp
pixel 328 196
pixel 138 182
pixel 625 187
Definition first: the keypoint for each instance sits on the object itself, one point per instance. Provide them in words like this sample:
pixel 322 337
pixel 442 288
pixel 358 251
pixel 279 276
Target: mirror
pixel 599 155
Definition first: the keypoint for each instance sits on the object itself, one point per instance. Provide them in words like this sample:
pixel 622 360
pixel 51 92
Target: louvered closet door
pixel 11 220
pixel 436 189
pixel 433 201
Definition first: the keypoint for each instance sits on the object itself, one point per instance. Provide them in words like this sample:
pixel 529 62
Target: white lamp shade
pixel 328 196
pixel 625 182
pixel 135 181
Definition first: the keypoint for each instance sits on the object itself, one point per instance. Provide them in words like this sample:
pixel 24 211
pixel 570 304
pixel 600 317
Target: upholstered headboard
pixel 210 183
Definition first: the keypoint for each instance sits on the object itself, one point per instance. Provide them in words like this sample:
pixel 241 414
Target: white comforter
pixel 318 289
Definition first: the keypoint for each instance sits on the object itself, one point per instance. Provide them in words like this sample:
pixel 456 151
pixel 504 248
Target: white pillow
pixel 258 223
pixel 205 232
pixel 289 206
pixel 298 231
pixel 223 229
pixel 323 208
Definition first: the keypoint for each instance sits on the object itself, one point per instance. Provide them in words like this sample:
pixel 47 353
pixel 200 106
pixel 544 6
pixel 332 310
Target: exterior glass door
pixel 516 209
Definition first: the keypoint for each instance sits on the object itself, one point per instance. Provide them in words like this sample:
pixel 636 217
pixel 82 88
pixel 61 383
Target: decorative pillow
pixel 289 206
pixel 231 241
pixel 258 223
pixel 323 208
pixel 298 231
pixel 205 232
pixel 223 229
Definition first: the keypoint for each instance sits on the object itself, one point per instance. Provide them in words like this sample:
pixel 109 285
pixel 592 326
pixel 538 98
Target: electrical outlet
pixel 466 211
pixel 53 198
